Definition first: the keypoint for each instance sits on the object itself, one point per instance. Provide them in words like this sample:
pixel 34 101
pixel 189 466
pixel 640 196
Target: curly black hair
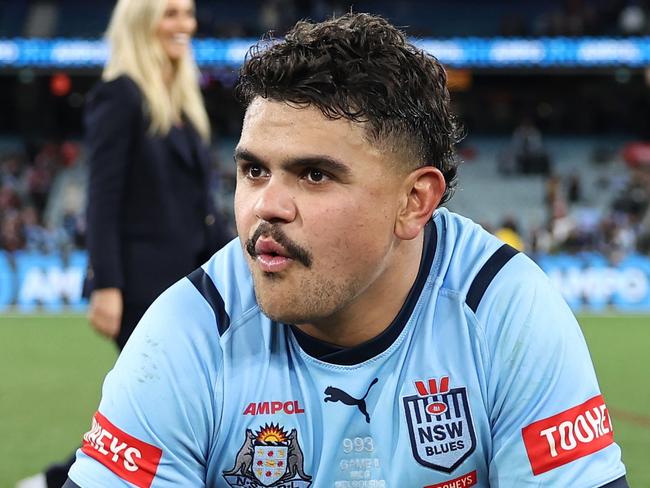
pixel 361 68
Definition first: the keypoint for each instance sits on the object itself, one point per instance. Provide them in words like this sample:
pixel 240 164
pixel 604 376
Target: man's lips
pixel 273 264
pixel 271 247
pixel 271 256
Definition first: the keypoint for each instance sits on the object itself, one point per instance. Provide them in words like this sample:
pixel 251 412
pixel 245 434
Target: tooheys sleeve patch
pixel 129 458
pixel 569 435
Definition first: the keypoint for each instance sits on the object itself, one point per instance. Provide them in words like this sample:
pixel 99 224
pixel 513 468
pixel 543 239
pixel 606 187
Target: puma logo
pixel 337 395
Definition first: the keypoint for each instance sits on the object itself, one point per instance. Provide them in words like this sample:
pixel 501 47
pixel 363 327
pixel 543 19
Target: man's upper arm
pixel 158 412
pixel 550 424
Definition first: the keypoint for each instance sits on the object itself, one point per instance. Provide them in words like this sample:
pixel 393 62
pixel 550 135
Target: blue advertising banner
pixel 590 282
pixel 35 282
pixel 468 52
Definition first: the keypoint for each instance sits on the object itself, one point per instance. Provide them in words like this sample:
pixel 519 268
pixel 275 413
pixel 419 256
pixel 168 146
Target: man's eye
pixel 315 175
pixel 255 172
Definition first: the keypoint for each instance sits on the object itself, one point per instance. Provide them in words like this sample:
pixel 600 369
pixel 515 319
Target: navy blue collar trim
pixel 333 354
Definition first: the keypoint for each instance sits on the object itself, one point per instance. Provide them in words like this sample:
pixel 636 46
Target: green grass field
pixel 52 368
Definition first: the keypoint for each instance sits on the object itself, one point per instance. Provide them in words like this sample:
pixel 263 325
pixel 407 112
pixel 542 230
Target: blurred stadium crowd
pixel 28 176
pixel 601 204
pixel 443 18
pixel 554 161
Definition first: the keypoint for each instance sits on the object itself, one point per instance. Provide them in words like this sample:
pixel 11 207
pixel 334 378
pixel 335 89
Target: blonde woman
pixel 150 216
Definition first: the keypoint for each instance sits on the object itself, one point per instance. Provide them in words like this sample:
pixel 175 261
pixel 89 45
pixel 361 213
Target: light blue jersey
pixel 483 379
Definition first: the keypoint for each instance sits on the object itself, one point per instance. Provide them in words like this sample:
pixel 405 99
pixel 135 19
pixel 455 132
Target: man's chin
pixel 284 314
pixel 289 305
pixel 277 314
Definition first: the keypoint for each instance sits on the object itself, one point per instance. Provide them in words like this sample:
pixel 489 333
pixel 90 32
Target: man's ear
pixel 422 191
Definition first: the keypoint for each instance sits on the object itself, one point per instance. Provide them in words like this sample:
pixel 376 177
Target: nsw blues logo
pixel 440 425
pixel 269 457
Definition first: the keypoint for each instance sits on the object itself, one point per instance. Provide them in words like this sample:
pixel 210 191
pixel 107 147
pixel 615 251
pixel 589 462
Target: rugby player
pixel 358 334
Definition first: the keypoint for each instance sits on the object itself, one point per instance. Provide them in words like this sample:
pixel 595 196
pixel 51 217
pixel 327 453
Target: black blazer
pixel 150 216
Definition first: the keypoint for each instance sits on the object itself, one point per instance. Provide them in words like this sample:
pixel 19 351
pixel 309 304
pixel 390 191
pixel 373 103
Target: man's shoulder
pixel 478 266
pixel 205 307
pixel 465 247
pixel 226 287
pixel 506 291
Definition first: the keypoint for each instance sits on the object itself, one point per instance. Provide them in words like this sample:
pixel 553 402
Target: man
pixel 357 335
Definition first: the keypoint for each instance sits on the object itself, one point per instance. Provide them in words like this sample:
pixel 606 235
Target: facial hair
pixel 293 250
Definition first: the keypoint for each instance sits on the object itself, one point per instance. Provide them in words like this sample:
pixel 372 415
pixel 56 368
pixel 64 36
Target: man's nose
pixel 275 204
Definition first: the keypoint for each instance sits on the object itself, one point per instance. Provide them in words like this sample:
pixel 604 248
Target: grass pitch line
pixel 635 418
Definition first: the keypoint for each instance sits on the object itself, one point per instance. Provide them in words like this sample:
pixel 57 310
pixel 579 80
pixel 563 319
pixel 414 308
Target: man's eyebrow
pixel 241 154
pixel 323 162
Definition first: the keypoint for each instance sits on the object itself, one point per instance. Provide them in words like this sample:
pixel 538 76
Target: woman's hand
pixel 105 311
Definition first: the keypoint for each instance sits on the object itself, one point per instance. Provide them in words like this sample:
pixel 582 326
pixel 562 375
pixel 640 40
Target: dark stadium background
pixel 556 159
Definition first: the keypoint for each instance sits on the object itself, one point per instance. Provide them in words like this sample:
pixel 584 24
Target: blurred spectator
pixel 11 235
pixel 541 241
pixel 35 233
pixel 40 174
pixel 69 153
pixel 74 226
pixel 9 199
pixel 633 201
pixel 574 190
pixel 553 195
pixel 508 232
pixel 526 153
pixel 528 149
pixel 11 171
pixel 562 226
pixel 643 238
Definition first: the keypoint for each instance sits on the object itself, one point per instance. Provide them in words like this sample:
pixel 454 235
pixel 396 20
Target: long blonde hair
pixel 136 51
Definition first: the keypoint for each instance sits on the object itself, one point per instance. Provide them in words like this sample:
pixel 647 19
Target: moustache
pixel 293 250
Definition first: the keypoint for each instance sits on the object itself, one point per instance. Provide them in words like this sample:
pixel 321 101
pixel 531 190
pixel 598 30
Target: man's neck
pixel 375 308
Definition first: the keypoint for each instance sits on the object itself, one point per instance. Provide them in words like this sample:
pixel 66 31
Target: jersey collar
pixel 333 354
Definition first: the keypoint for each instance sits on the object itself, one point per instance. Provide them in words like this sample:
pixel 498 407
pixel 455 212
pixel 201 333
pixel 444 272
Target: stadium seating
pixel 487 196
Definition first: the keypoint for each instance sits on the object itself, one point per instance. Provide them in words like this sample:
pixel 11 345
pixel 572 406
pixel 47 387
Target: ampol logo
pixel 271 408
